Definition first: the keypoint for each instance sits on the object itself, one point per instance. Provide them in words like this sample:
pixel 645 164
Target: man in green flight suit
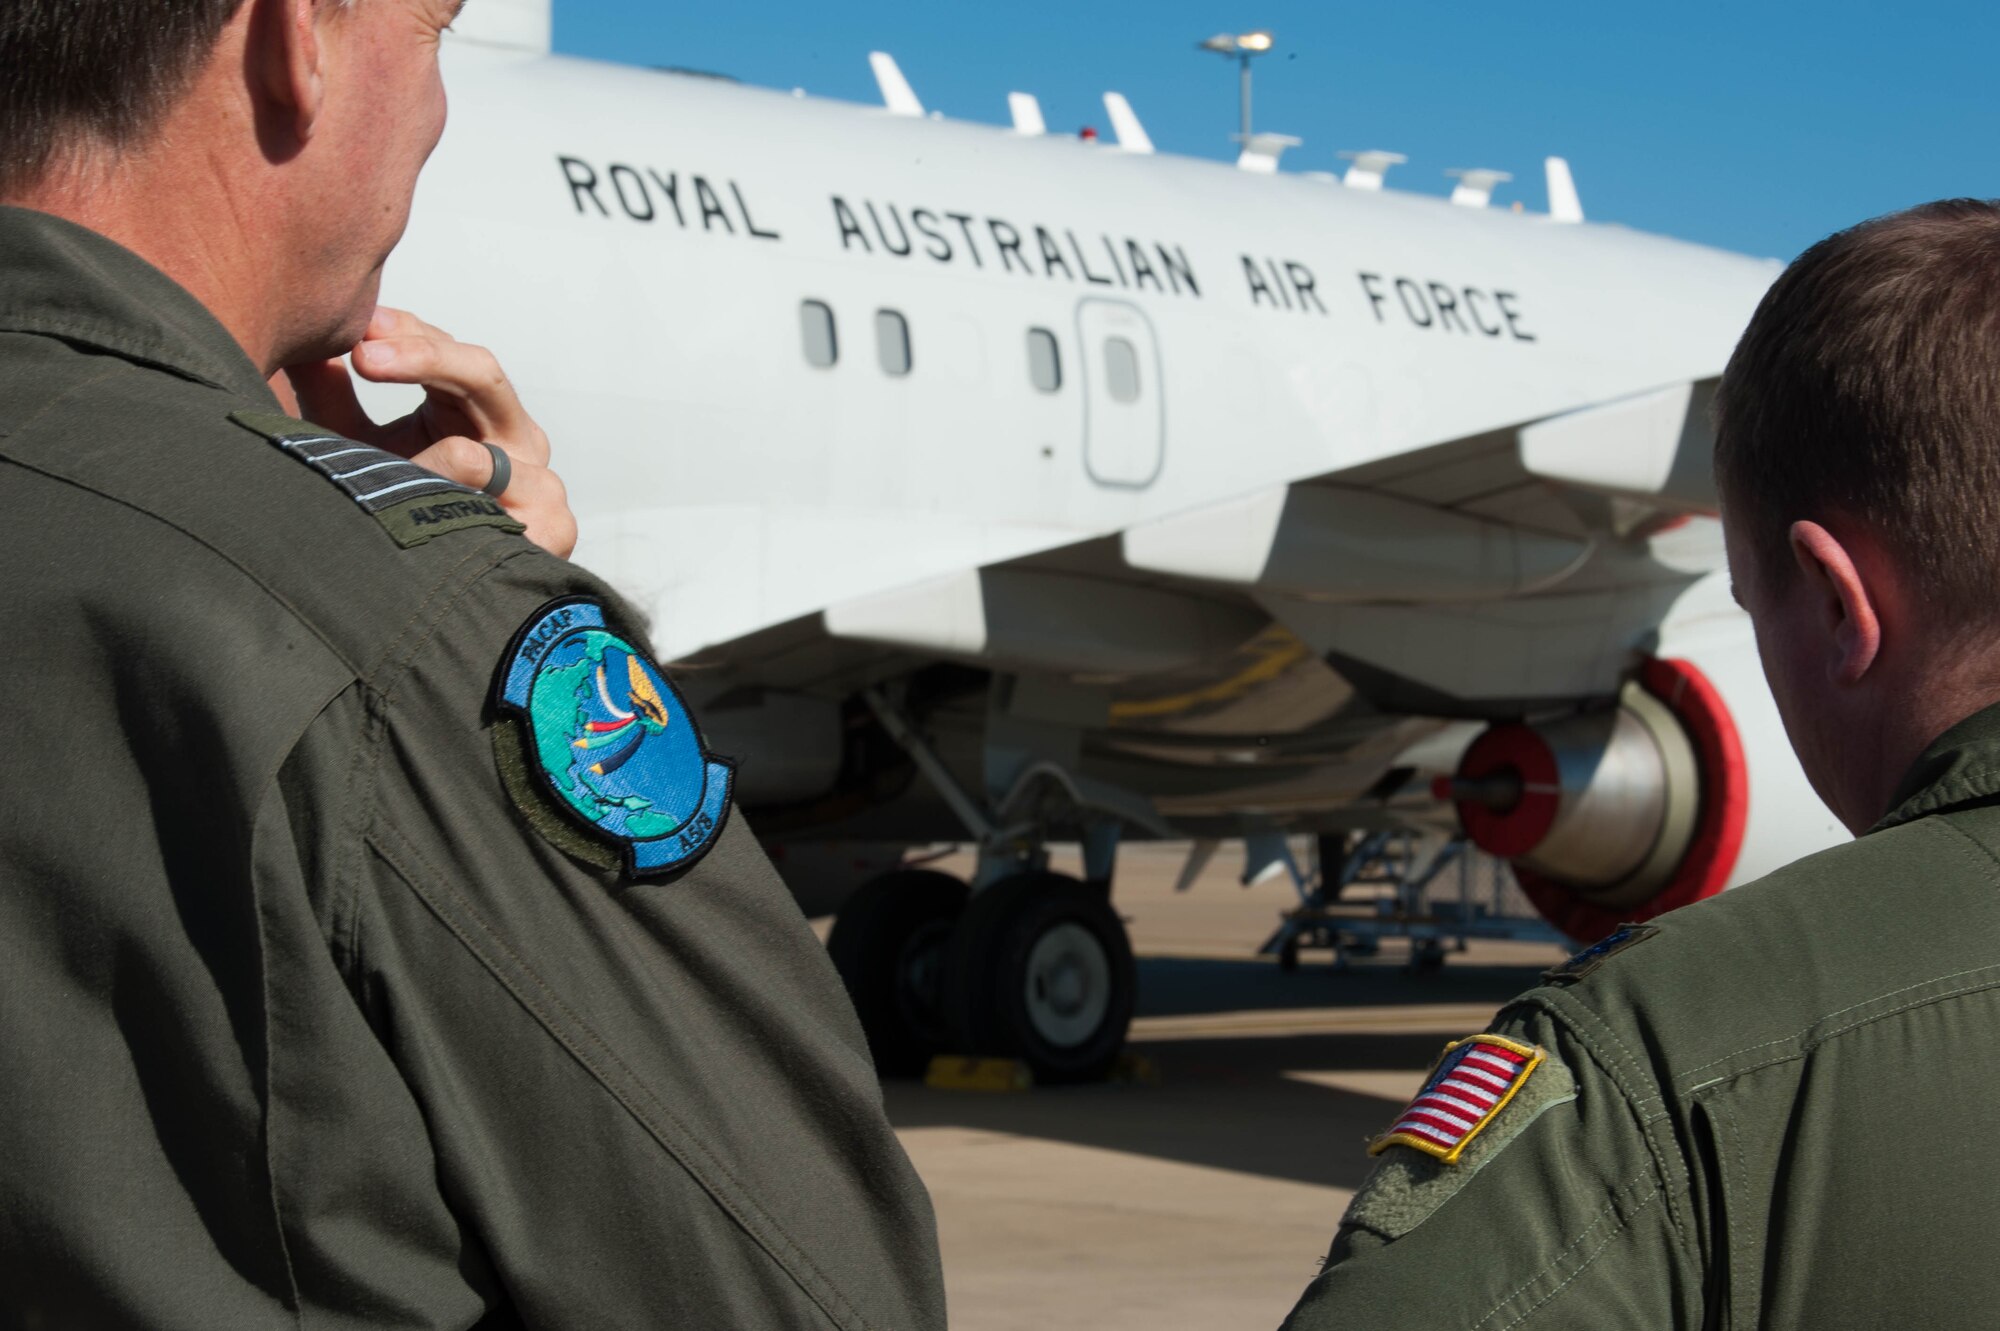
pixel 319 1004
pixel 1777 1108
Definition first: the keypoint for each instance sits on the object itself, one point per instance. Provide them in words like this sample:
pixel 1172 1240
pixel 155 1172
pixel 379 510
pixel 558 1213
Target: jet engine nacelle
pixel 1617 814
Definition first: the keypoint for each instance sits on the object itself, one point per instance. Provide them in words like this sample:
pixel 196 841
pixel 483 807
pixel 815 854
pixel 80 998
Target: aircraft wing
pixel 1481 575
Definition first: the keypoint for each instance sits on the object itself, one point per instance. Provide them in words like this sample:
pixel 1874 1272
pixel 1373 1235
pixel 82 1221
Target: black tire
pixel 1426 957
pixel 888 943
pixel 997 985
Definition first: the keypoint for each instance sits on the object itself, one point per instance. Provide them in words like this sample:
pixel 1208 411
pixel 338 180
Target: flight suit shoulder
pixel 416 587
pixel 366 549
pixel 1766 971
pixel 1528 1182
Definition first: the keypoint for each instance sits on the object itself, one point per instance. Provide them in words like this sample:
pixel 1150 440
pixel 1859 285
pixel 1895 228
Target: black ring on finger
pixel 503 471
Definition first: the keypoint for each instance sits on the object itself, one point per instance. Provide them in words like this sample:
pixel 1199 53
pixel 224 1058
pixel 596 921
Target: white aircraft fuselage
pixel 1324 478
pixel 648 239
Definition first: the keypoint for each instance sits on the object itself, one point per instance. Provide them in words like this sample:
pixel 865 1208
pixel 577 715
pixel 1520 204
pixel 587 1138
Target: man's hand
pixel 468 402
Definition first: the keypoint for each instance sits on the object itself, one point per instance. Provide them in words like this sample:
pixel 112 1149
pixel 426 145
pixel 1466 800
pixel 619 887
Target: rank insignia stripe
pixel 610 742
pixel 412 503
pixel 1605 948
pixel 1474 1080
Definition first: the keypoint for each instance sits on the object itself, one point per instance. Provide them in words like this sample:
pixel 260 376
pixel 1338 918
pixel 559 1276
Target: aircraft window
pixel 816 324
pixel 892 341
pixel 1044 360
pixel 1121 369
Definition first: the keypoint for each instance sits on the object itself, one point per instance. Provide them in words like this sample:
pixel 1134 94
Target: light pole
pixel 1240 47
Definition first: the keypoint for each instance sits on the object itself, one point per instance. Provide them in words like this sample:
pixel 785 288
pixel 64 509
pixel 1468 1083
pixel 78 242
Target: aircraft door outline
pixel 1124 400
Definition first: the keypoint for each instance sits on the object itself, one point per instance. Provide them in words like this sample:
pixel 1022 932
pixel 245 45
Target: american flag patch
pixel 1471 1085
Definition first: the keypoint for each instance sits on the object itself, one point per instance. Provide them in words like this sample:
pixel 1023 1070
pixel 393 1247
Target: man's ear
pixel 1844 606
pixel 285 58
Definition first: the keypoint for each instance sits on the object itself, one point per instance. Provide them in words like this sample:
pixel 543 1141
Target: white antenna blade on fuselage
pixel 897 94
pixel 1132 136
pixel 1027 114
pixel 1564 205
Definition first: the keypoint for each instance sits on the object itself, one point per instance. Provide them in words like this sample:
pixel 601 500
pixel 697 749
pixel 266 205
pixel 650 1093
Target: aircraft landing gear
pixel 888 943
pixel 1039 968
pixel 1036 967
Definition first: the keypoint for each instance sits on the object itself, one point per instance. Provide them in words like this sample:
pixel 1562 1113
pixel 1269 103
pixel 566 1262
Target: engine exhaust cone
pixel 1616 815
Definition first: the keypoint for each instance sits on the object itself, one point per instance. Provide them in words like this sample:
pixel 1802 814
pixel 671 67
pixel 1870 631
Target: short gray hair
pixel 105 71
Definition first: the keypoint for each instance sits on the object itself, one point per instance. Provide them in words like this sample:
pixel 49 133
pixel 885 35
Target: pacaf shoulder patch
pixel 412 503
pixel 609 742
pixel 1408 1185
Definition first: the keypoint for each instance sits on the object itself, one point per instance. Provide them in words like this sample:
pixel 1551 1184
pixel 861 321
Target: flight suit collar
pixel 62 280
pixel 1961 766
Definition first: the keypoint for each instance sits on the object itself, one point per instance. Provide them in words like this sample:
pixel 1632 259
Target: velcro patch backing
pixel 1409 1184
pixel 412 503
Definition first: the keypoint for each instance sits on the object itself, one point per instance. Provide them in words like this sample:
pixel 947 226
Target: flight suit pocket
pixel 1734 1248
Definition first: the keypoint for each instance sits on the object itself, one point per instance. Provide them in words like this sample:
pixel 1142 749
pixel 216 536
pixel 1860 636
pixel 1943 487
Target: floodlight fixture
pixel 1241 47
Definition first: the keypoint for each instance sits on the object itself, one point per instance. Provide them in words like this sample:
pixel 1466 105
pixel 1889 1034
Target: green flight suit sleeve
pixel 650 1100
pixel 1563 1213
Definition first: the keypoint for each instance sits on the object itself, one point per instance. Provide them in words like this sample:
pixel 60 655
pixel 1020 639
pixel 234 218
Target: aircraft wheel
pixel 888 943
pixel 1039 968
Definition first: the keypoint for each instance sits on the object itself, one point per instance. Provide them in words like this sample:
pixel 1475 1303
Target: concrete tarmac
pixel 1207 1200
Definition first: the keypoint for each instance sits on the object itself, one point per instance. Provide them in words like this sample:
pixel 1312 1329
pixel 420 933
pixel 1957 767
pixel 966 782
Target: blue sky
pixel 1754 126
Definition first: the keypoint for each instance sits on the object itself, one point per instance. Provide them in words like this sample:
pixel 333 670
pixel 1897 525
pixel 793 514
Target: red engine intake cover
pixel 1520 751
pixel 1718 831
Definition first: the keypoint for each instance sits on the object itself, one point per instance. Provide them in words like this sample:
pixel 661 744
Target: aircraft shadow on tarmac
pixel 1192 986
pixel 1237 1100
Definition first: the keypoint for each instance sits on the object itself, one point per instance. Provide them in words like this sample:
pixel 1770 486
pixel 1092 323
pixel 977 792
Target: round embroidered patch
pixel 611 739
